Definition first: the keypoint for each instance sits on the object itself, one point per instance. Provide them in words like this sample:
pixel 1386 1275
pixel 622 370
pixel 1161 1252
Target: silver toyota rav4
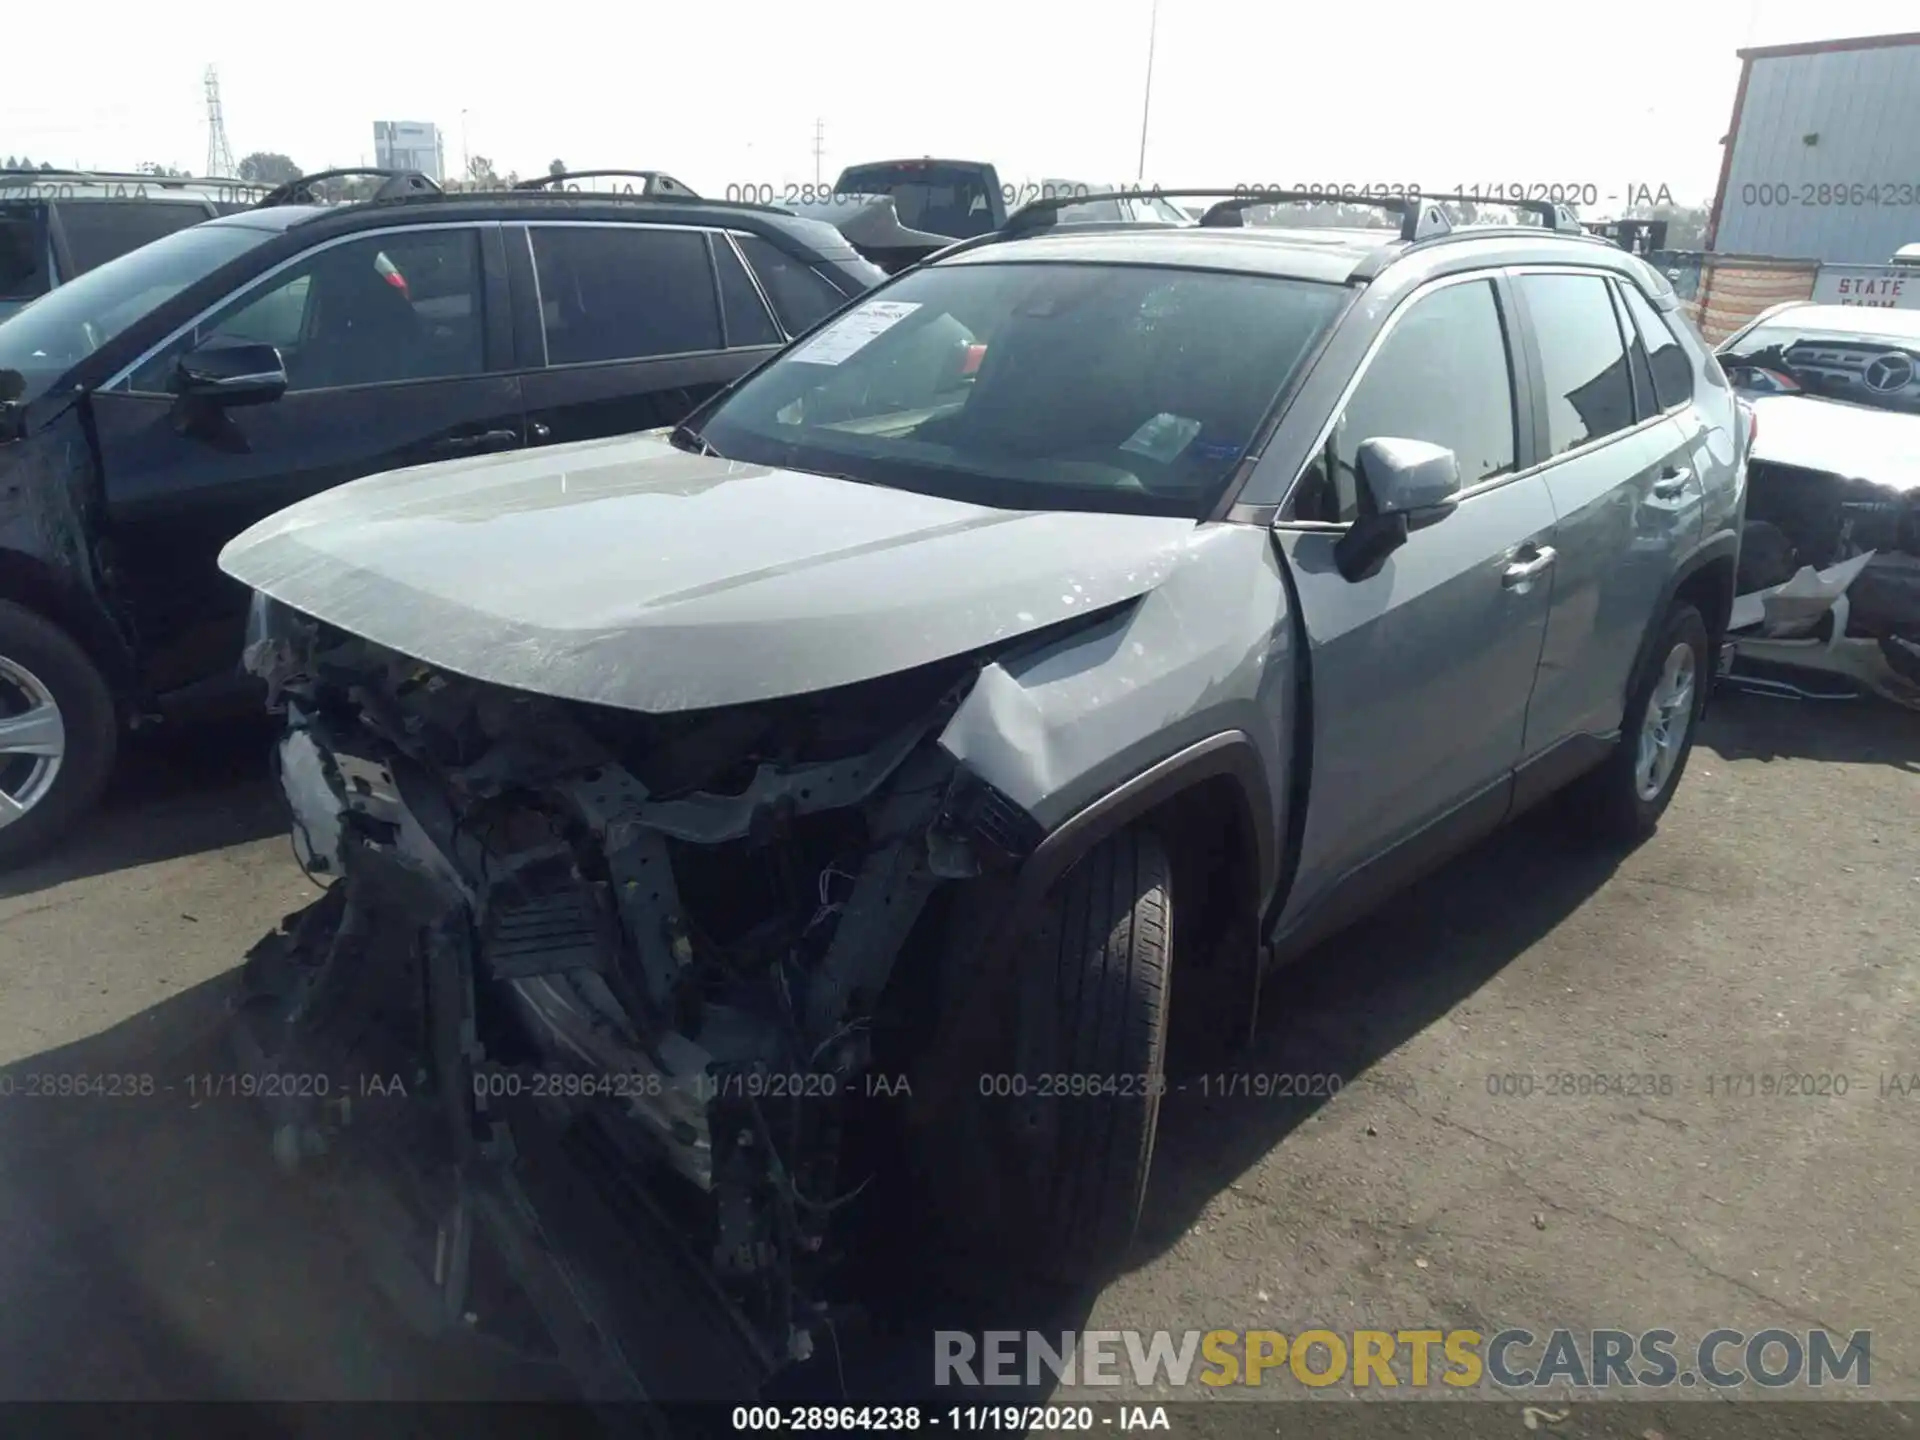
pixel 1050 641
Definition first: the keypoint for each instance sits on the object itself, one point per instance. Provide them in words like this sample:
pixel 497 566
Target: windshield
pixel 1879 368
pixel 1036 386
pixel 62 328
pixel 954 200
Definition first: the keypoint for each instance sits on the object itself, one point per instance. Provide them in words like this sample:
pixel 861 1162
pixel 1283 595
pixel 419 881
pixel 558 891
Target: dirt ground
pixel 151 1250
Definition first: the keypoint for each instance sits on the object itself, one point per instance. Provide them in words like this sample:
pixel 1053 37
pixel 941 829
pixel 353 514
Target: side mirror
pixel 231 374
pixel 1404 485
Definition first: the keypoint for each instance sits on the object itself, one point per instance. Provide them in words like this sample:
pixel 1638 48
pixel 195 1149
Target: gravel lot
pixel 1769 928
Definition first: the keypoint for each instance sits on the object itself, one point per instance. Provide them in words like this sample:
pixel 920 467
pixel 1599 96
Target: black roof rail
pixel 657 181
pixel 1421 217
pixel 398 182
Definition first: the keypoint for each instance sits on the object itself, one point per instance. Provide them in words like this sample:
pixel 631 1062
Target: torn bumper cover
pixel 1829 583
pixel 659 937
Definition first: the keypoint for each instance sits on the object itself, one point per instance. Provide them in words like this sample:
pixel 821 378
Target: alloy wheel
pixel 1665 725
pixel 33 740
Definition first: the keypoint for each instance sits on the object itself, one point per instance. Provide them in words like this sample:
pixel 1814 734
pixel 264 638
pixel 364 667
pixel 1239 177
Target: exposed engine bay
pixel 680 927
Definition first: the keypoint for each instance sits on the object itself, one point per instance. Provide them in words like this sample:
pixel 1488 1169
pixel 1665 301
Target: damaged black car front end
pixel 578 959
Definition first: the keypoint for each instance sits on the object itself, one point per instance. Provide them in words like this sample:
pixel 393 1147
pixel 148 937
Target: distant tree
pixel 513 179
pixel 556 167
pixel 154 167
pixel 268 167
pixel 480 173
pixel 1686 224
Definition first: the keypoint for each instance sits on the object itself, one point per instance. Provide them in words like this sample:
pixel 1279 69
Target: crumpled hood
pixel 625 572
pixel 1855 442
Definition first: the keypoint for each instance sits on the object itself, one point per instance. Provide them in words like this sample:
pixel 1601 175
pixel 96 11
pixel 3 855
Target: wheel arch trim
pixel 1721 546
pixel 31 582
pixel 1229 754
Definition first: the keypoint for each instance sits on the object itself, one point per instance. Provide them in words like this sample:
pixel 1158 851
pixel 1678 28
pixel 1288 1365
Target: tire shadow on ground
pixel 173 793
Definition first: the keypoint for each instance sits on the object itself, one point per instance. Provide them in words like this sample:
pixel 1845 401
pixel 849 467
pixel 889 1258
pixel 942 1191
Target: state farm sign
pixel 1887 287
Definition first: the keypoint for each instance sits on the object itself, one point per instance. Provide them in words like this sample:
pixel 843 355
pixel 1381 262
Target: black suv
pixel 58 224
pixel 158 405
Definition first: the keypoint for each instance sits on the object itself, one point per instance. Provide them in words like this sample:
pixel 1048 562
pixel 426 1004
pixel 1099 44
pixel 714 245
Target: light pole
pixel 1146 100
pixel 466 159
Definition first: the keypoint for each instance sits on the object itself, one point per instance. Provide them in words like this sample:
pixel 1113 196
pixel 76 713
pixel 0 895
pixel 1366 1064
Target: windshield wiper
pixel 1767 357
pixel 685 437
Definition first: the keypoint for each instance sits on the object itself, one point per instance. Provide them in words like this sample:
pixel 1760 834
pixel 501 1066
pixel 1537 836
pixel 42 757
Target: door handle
pixel 479 440
pixel 1522 571
pixel 1672 481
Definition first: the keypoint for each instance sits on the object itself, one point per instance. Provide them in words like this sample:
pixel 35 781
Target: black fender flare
pixel 1230 753
pixel 1722 545
pixel 1013 900
pixel 26 579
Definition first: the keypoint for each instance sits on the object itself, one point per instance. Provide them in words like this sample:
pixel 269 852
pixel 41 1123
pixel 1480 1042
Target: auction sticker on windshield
pixel 854 331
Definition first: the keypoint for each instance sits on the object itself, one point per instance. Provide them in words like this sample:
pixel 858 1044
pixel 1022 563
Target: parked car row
pixel 1044 644
pixel 156 405
pixel 57 224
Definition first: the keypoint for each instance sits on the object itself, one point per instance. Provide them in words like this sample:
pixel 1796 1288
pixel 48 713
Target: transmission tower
pixel 219 153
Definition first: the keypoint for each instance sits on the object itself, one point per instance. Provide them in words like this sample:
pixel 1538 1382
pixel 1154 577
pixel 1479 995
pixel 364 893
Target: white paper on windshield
pixel 854 331
pixel 1163 437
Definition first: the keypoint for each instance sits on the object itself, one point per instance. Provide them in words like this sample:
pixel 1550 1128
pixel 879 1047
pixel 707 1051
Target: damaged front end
pixel 649 950
pixel 1828 599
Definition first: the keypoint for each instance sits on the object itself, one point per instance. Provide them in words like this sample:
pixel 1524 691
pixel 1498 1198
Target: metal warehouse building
pixel 1822 161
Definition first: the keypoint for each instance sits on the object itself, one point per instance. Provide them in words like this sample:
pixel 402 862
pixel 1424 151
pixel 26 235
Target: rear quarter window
pixel 1666 356
pixel 801 297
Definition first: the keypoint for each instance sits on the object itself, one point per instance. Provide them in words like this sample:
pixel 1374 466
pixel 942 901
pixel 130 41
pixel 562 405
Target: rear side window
pixel 101 230
pixel 624 293
pixel 1442 375
pixel 1589 389
pixel 800 296
pixel 748 322
pixel 1666 356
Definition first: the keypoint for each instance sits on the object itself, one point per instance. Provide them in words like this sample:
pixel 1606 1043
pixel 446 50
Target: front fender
pixel 1192 681
pixel 48 510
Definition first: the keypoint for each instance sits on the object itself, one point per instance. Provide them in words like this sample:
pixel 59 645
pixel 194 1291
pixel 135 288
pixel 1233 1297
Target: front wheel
pixel 58 734
pixel 1625 797
pixel 1046 1164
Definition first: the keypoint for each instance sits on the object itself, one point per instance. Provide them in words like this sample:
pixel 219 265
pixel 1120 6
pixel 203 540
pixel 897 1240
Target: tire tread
pixel 1111 958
